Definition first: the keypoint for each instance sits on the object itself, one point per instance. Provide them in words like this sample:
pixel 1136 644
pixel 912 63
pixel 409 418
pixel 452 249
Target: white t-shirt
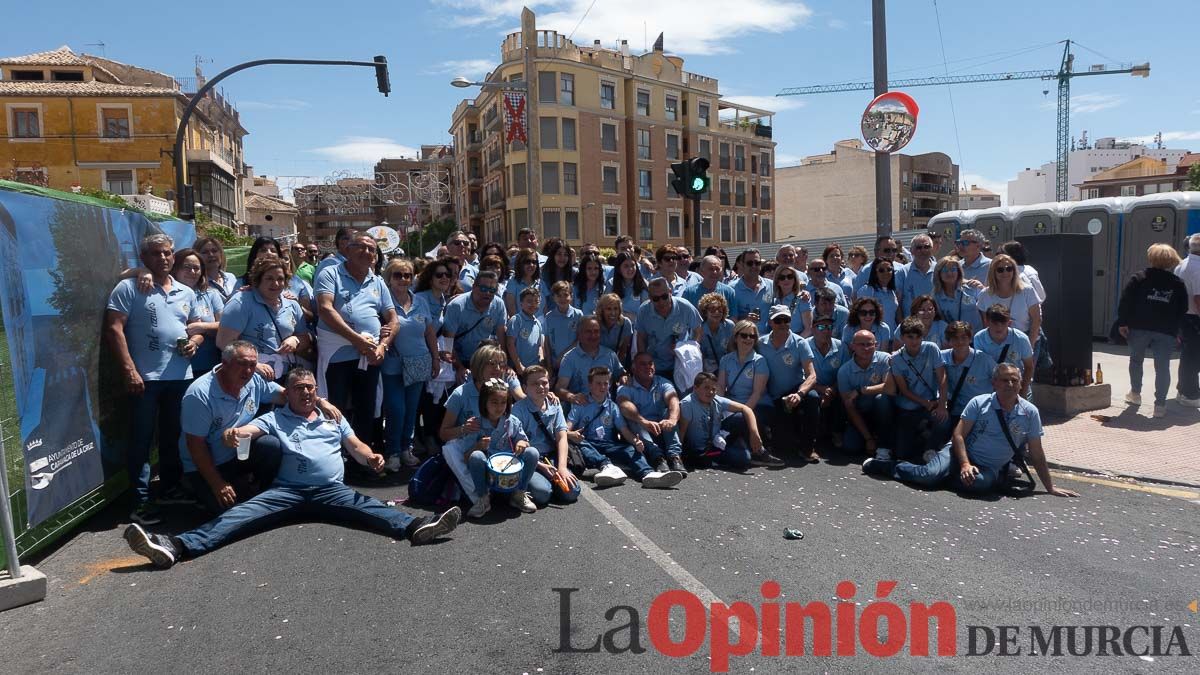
pixel 1189 271
pixel 1018 305
pixel 1031 277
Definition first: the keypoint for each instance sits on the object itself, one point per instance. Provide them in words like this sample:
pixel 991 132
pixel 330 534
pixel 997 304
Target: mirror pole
pixel 883 160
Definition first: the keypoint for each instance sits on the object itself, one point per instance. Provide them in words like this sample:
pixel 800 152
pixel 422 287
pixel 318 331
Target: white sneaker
pixel 1160 409
pixel 409 459
pixel 929 456
pixel 610 475
pixel 661 479
pixel 481 507
pixel 883 454
pixel 392 464
pixel 1133 398
pixel 1189 402
pixel 522 502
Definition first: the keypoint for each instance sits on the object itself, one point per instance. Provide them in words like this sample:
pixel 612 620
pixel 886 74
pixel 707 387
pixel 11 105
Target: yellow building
pixel 81 121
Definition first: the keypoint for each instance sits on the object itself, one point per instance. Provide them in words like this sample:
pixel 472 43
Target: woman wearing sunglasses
pixel 436 287
pixel 743 373
pixel 865 314
pixel 1005 287
pixel 526 273
pixel 789 293
pixel 881 285
pixel 925 309
pixel 411 361
pixel 955 301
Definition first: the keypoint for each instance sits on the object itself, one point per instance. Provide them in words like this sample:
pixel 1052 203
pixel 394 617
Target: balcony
pixel 762 131
pixel 222 160
pixel 475 178
pixel 491 119
pixel 474 140
pixel 925 213
pixel 931 187
pixel 494 159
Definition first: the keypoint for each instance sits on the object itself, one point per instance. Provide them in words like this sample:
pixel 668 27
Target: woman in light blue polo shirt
pixel 437 286
pixel 956 301
pixel 213 254
pixel 865 314
pixel 271 322
pixel 787 288
pixel 559 266
pixel 743 372
pixel 525 273
pixel 716 332
pixel 589 285
pixel 881 285
pixel 411 361
pixel 630 285
pixel 189 270
pixel 616 330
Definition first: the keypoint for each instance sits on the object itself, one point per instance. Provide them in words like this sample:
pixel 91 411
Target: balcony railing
pixel 931 187
pixel 762 131
pixel 925 213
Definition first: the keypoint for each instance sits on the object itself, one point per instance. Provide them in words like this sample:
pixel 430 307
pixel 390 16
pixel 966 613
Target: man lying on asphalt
pixel 309 483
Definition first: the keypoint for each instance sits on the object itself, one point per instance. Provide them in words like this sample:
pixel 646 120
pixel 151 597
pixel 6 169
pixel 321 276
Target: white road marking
pixel 653 551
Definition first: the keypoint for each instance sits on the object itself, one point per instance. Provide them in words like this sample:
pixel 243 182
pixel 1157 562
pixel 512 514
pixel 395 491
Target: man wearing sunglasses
pixel 663 321
pixel 475 316
pixel 304 269
pixel 885 249
pixel 458 246
pixel 753 293
pixel 828 355
pixel 711 274
pixel 969 248
pixel 788 410
pixel 916 278
pixel 866 387
pixel 818 278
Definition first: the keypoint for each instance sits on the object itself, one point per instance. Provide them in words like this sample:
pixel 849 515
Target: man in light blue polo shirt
pixel 916 278
pixel 969 247
pixel 712 271
pixel 753 293
pixel 1006 344
pixel 866 387
pixel 885 248
pixel 651 405
pixel 572 383
pixel 475 316
pixel 309 482
pixel 662 322
pixel 353 304
pixel 787 408
pixel 341 242
pixel 458 246
pixel 148 334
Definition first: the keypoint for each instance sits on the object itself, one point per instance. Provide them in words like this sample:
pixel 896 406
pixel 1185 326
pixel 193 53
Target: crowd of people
pixel 642 364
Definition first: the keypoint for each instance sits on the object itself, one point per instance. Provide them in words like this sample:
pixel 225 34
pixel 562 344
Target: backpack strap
pixel 1018 456
pixel 962 378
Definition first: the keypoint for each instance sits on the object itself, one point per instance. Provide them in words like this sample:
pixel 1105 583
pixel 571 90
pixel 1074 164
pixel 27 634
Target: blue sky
pixel 312 121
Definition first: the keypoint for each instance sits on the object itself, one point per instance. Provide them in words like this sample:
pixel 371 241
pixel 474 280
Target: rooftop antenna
pixel 101 45
pixel 1158 140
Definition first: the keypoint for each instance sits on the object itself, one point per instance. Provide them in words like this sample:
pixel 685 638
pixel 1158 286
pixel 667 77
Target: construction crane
pixel 1064 75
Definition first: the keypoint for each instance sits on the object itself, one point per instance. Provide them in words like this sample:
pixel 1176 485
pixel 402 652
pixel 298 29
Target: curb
pixel 1128 476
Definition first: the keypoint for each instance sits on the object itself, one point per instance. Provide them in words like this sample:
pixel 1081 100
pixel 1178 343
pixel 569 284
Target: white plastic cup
pixel 243 447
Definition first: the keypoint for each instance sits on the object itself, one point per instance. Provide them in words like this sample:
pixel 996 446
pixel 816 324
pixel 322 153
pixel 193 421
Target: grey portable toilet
pixel 1036 218
pixel 950 223
pixel 1164 218
pixel 995 224
pixel 1102 219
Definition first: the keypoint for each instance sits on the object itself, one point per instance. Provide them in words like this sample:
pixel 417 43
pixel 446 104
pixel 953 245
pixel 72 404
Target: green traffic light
pixel 698 184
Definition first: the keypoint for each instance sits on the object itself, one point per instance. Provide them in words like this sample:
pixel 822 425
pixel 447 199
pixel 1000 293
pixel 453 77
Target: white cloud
pixel 365 149
pixel 1087 103
pixel 836 24
pixel 775 103
pixel 1000 187
pixel 472 68
pixel 1167 137
pixel 291 104
pixel 786 159
pixel 691 26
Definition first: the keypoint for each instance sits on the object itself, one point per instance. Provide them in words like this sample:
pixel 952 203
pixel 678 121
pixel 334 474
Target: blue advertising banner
pixel 58 261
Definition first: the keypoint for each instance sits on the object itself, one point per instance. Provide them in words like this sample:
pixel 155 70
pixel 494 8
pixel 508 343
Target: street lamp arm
pixel 190 108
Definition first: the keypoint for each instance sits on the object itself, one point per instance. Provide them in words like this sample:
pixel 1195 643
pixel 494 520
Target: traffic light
pixel 381 75
pixel 683 178
pixel 691 177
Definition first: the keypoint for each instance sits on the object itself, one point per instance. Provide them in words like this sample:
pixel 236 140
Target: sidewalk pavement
pixel 1125 440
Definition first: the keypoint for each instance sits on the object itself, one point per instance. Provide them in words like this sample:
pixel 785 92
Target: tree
pixel 222 233
pixel 1194 177
pixel 424 239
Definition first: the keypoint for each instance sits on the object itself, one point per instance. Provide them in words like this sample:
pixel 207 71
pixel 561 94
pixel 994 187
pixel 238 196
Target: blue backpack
pixel 433 484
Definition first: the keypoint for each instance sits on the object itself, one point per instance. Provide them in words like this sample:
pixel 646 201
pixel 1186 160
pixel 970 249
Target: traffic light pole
pixel 697 252
pixel 185 203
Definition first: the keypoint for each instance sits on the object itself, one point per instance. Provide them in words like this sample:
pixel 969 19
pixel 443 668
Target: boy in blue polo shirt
pixel 1007 345
pixel 561 323
pixel 524 337
pixel 921 397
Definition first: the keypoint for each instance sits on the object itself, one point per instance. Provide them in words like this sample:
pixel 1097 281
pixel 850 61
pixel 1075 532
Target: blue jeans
pixel 665 444
pixel 1161 345
pixel 940 468
pixel 265 455
pixel 157 408
pixel 334 501
pixel 736 454
pixel 477 465
pixel 910 441
pixel 400 412
pixel 876 412
pixel 797 427
pixel 1189 357
pixel 625 456
pixel 541 490
pixel 353 390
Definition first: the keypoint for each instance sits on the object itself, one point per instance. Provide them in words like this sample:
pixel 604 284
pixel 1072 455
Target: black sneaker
pixel 425 530
pixel 158 548
pixel 176 494
pixel 766 459
pixel 662 466
pixel 146 514
pixel 676 464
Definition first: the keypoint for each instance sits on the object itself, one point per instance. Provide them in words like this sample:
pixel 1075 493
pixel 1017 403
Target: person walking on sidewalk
pixel 1153 303
pixel 1189 359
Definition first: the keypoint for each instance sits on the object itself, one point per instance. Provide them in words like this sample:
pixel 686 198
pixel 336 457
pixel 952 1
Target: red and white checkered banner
pixel 514 117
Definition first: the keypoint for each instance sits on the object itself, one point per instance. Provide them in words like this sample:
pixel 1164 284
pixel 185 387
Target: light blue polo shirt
pixel 225 284
pixel 754 298
pixel 410 336
pixel 1019 350
pixel 797 307
pixel 588 304
pixel 851 376
pixel 651 402
pixel 846 282
pixel 883 334
pixel 986 444
pixel 838 291
pixel 631 302
pixel 936 333
pixel 526 331
pixel 208 411
pixel 960 307
pixel 335 259
pixel 889 301
pixel 703 421
pixel 680 323
pixel 678 285
pixel 919 373
pixel 598 422
pixel 841 315
pixel 514 287
pixel 576 363
pixel 548 297
pixel 694 292
pixel 466 277
pixel 977 270
pixel 469 326
pixel 209 306
pixel 911 284
pixel 464 400
pixel 864 275
pixel 302 290
pixel 713 346
pixel 437 306
pixel 551 416
pixel 360 304
pixel 561 331
pixel 740 375
pixel 503 435
pixel 827 364
pixel 312 449
pixel 153 322
pixel 611 336
pixel 979 367
pixel 785 364
pixel 247 313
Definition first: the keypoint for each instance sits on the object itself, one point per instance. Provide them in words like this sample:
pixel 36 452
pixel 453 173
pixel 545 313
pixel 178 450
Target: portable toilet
pixel 1164 218
pixel 950 223
pixel 1102 219
pixel 1037 219
pixel 995 224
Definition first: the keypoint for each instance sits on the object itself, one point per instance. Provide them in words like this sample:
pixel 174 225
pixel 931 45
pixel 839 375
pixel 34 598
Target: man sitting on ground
pixel 309 483
pixel 866 386
pixel 717 429
pixel 651 405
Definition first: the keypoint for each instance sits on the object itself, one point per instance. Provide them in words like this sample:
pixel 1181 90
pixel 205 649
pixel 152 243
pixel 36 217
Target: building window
pixel 904 204
pixel 726 228
pixel 568 133
pixel 739 158
pixel 114 122
pixel 765 230
pixel 547 87
pixel 674 225
pixel 643 103
pixel 739 193
pixel 28 76
pixel 608 137
pixel 570 182
pixel 571 224
pixel 32 176
pixel 904 177
pixel 551 223
pixel 726 200
pixel 643 143
pixel 706 226
pixel 646 226
pixel 673 146
pixel 670 191
pixel 548 132
pixel 1167 187
pixel 706 149
pixel 609 180
pixel 608 95
pixel 702 114
pixel 612 223
pixel 119 182
pixel 645 187
pixel 764 201
pixel 25 123
pixel 672 108
pixel 741 228
pixel 1128 190
pixel 764 164
pixel 567 82
pixel 517 181
pixel 67 75
pixel 723 155
pixel 520 218
pixel 549 178
pixel 1092 193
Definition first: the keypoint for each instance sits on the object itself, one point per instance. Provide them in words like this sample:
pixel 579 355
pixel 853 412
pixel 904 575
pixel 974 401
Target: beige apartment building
pixel 606 125
pixel 977 198
pixel 833 194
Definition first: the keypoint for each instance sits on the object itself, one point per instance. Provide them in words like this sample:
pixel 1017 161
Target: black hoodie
pixel 1154 300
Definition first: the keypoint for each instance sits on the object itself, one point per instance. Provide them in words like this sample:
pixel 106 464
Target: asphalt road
pixel 314 597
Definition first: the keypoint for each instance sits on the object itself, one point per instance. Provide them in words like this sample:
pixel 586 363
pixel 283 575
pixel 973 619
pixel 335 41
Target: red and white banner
pixel 514 117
